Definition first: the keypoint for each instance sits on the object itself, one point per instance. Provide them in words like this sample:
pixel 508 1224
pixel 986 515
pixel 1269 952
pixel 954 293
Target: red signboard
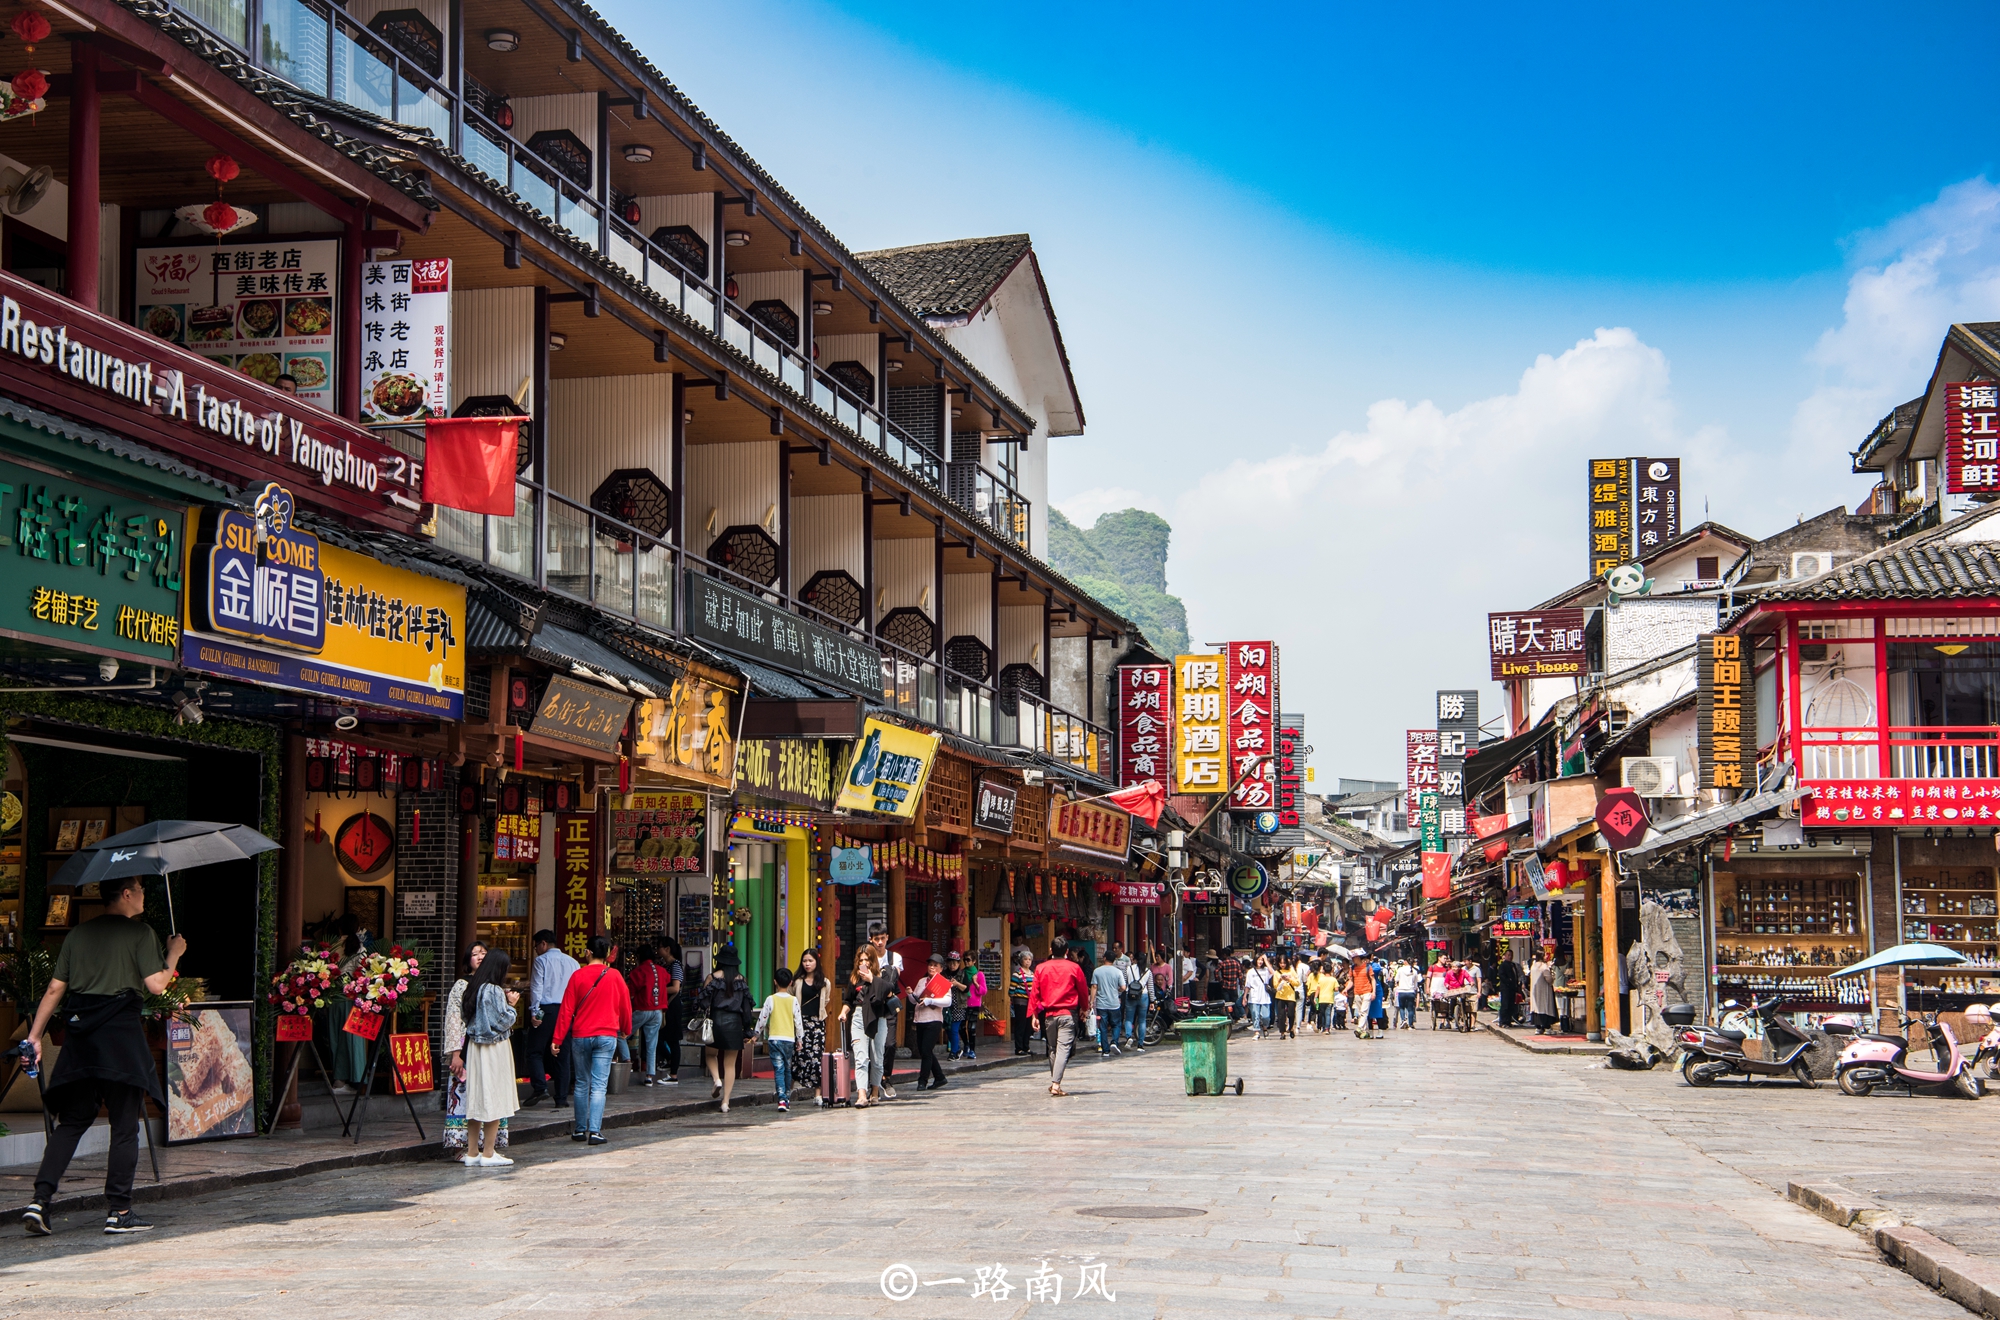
pixel 362 1023
pixel 1250 724
pixel 1420 766
pixel 576 881
pixel 1535 644
pixel 1972 437
pixel 59 355
pixel 1621 818
pixel 1899 801
pixel 1134 893
pixel 1145 716
pixel 411 1057
pixel 294 1027
pixel 1091 827
pixel 1291 771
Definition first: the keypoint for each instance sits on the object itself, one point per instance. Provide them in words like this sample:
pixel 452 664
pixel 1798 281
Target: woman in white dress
pixel 491 1095
pixel 454 1053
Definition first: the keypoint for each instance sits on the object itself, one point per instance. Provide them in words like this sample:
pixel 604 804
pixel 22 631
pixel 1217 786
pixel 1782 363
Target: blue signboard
pixel 851 866
pixel 259 577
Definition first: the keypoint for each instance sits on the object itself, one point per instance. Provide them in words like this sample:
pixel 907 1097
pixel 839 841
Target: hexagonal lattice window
pixel 636 496
pixel 969 656
pixel 747 552
pixel 777 316
pixel 1014 680
pixel 859 380
pixel 835 594
pixel 911 629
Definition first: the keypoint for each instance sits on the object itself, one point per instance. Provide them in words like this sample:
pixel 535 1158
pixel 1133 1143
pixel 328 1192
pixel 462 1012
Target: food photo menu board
pixel 264 308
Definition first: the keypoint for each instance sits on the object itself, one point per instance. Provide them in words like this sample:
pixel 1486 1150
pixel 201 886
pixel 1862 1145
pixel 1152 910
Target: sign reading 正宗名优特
pixel 888 770
pixel 88 567
pixel 405 340
pixel 1536 644
pixel 576 881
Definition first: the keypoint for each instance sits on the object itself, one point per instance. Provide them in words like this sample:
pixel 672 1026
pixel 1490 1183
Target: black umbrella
pixel 162 848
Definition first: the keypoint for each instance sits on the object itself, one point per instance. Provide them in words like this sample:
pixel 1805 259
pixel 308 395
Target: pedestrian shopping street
pixel 1422 1174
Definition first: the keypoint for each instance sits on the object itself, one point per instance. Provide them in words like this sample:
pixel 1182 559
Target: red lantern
pixel 30 27
pixel 631 213
pixel 222 167
pixel 729 288
pixel 504 116
pixel 30 85
pixel 221 216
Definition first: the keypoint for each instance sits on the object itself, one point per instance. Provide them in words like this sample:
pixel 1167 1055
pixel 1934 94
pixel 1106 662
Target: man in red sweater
pixel 1058 995
pixel 596 1014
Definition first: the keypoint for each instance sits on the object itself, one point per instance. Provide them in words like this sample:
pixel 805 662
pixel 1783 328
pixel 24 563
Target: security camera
pixel 1030 778
pixel 187 708
pixel 107 669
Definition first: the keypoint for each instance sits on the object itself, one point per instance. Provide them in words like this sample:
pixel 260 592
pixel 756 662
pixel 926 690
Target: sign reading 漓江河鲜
pixel 89 567
pixel 1972 437
pixel 888 771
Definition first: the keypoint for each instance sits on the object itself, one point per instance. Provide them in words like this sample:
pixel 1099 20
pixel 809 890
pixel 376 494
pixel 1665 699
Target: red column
pixel 347 377
pixel 83 213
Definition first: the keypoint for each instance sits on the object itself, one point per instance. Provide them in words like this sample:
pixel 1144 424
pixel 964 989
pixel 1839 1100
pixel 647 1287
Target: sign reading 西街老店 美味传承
pixel 577 713
pixel 733 620
pixel 88 567
pixel 888 770
pixel 263 308
pixel 405 339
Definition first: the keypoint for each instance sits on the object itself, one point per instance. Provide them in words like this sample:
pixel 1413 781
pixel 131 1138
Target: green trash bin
pixel 1205 1055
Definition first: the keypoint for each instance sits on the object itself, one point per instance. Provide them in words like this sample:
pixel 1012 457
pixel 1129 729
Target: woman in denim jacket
pixel 490 1092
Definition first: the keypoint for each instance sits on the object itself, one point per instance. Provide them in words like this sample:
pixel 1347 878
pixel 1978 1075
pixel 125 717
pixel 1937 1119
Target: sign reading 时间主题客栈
pixel 1725 712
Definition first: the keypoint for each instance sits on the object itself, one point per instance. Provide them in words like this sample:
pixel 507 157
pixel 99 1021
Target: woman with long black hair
pixel 725 1001
pixel 815 998
pixel 487 1010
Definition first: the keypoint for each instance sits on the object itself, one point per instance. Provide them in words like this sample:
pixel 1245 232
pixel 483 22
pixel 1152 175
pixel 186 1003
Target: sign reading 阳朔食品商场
pixel 1250 721
pixel 993 806
pixel 89 568
pixel 660 834
pixel 578 713
pixel 1725 712
pixel 1145 725
pixel 1201 765
pixel 405 340
pixel 576 881
pixel 888 770
pixel 733 620
pixel 1536 644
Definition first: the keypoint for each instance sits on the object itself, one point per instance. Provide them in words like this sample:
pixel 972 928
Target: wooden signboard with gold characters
pixel 691 734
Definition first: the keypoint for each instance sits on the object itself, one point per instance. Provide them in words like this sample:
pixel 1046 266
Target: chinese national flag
pixel 1437 875
pixel 1486 827
pixel 1145 800
pixel 469 463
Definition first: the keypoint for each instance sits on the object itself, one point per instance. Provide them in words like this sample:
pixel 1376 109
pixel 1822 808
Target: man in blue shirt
pixel 553 968
pixel 1108 985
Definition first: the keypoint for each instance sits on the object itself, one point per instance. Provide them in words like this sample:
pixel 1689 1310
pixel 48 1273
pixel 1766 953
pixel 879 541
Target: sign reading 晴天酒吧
pixel 1536 644
pixel 88 567
pixel 888 771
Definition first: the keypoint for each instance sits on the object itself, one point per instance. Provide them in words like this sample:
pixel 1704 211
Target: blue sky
pixel 1352 293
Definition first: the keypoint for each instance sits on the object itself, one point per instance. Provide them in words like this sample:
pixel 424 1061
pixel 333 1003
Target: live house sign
pixel 108 373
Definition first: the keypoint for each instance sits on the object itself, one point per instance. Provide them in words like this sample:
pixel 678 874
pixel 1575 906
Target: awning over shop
pixel 1693 829
pixel 559 648
pixel 1492 763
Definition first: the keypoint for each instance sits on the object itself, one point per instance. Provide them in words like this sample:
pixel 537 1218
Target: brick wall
pixel 427 871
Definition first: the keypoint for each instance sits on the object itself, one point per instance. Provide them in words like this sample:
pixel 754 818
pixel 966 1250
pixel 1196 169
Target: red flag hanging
pixel 1145 800
pixel 469 463
pixel 1437 875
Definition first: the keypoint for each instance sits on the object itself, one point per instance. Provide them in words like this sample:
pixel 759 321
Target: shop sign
pixel 1200 763
pixel 209 1080
pixel 801 771
pixel 1250 720
pixel 319 619
pixel 1091 827
pixel 262 309
pixel 91 568
pixel 851 866
pixel 1430 822
pixel 737 621
pixel 1972 437
pixel 1420 765
pixel 517 838
pixel 993 807
pixel 1610 513
pixel 1536 644
pixel 1621 818
pixel 580 714
pixel 576 881
pixel 1656 503
pixel 1725 712
pixel 691 732
pixel 1291 737
pixel 1145 713
pixel 888 771
pixel 660 834
pixel 1248 881
pixel 411 1059
pixel 405 340
pixel 1458 732
pixel 1895 801
pixel 365 845
pixel 1517 921
pixel 1136 893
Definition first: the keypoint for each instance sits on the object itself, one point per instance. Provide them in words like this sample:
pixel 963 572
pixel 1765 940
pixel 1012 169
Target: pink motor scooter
pixel 1872 1060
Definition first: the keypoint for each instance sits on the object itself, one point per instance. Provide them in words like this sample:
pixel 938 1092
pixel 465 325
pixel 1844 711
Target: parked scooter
pixel 1873 1059
pixel 1712 1053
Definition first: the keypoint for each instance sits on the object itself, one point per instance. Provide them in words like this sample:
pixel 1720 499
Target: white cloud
pixel 1936 265
pixel 1375 558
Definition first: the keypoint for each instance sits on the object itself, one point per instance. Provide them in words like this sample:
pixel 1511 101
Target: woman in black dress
pixel 725 1001
pixel 811 986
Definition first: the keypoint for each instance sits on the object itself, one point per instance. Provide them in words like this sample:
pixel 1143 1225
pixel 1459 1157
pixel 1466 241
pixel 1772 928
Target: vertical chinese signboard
pixel 1725 712
pixel 405 340
pixel 1536 644
pixel 1291 768
pixel 1458 731
pixel 1972 437
pixel 1656 503
pixel 1249 720
pixel 1420 767
pixel 576 881
pixel 262 308
pixel 1145 715
pixel 1200 764
pixel 1610 514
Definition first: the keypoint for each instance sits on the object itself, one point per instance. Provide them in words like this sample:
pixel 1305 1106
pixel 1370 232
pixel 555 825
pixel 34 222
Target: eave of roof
pixel 1681 542
pixel 1936 565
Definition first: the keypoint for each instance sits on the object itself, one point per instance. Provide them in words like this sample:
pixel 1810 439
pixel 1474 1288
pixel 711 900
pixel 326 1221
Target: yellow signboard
pixel 363 639
pixel 888 771
pixel 1200 765
pixel 691 733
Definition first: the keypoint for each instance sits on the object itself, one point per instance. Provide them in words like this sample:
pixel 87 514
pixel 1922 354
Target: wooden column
pixel 829 950
pixel 1607 935
pixel 81 272
pixel 898 894
pixel 291 876
pixel 677 494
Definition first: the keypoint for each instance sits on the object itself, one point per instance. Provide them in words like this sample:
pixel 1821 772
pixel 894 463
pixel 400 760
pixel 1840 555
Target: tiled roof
pixel 105 442
pixel 947 279
pixel 1931 569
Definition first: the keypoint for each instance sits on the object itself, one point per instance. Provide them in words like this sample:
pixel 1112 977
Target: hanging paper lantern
pixel 217 217
pixel 631 213
pixel 30 85
pixel 30 27
pixel 222 167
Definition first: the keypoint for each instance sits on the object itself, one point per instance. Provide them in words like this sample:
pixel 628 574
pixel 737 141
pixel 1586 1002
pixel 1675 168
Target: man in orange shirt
pixel 1057 994
pixel 1360 993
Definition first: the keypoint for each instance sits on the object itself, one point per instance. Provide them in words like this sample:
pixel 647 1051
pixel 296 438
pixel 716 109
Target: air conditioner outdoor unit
pixel 1811 563
pixel 1651 776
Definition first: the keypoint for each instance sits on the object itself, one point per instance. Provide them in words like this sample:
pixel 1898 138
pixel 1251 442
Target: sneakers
pixel 596 1139
pixel 36 1219
pixel 496 1161
pixel 784 1106
pixel 1138 1049
pixel 578 1136
pixel 125 1222
pixel 669 1081
pixel 888 1092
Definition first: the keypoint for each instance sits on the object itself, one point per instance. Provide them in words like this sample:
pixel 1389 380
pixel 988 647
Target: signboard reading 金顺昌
pixel 1200 763
pixel 576 882
pixel 1145 720
pixel 1536 644
pixel 888 771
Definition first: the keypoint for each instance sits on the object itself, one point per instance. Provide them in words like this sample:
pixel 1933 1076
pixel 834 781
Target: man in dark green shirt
pixel 105 969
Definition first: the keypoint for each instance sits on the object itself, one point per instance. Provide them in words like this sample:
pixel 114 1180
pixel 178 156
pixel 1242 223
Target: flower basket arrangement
pixel 306 983
pixel 171 1004
pixel 382 979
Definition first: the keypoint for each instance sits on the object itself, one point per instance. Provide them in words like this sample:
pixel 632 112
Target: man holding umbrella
pixel 106 968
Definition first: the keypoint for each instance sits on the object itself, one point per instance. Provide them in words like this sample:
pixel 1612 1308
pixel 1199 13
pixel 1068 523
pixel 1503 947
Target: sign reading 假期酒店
pixel 1200 763
pixel 89 568
pixel 59 355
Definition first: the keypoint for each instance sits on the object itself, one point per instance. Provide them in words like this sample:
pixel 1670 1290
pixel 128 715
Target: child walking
pixel 778 1024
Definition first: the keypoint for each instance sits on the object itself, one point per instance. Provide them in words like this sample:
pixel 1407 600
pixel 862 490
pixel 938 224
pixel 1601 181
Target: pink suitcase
pixel 836 1079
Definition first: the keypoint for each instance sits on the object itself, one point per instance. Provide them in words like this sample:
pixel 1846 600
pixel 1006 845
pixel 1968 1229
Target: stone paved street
pixel 1421 1175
